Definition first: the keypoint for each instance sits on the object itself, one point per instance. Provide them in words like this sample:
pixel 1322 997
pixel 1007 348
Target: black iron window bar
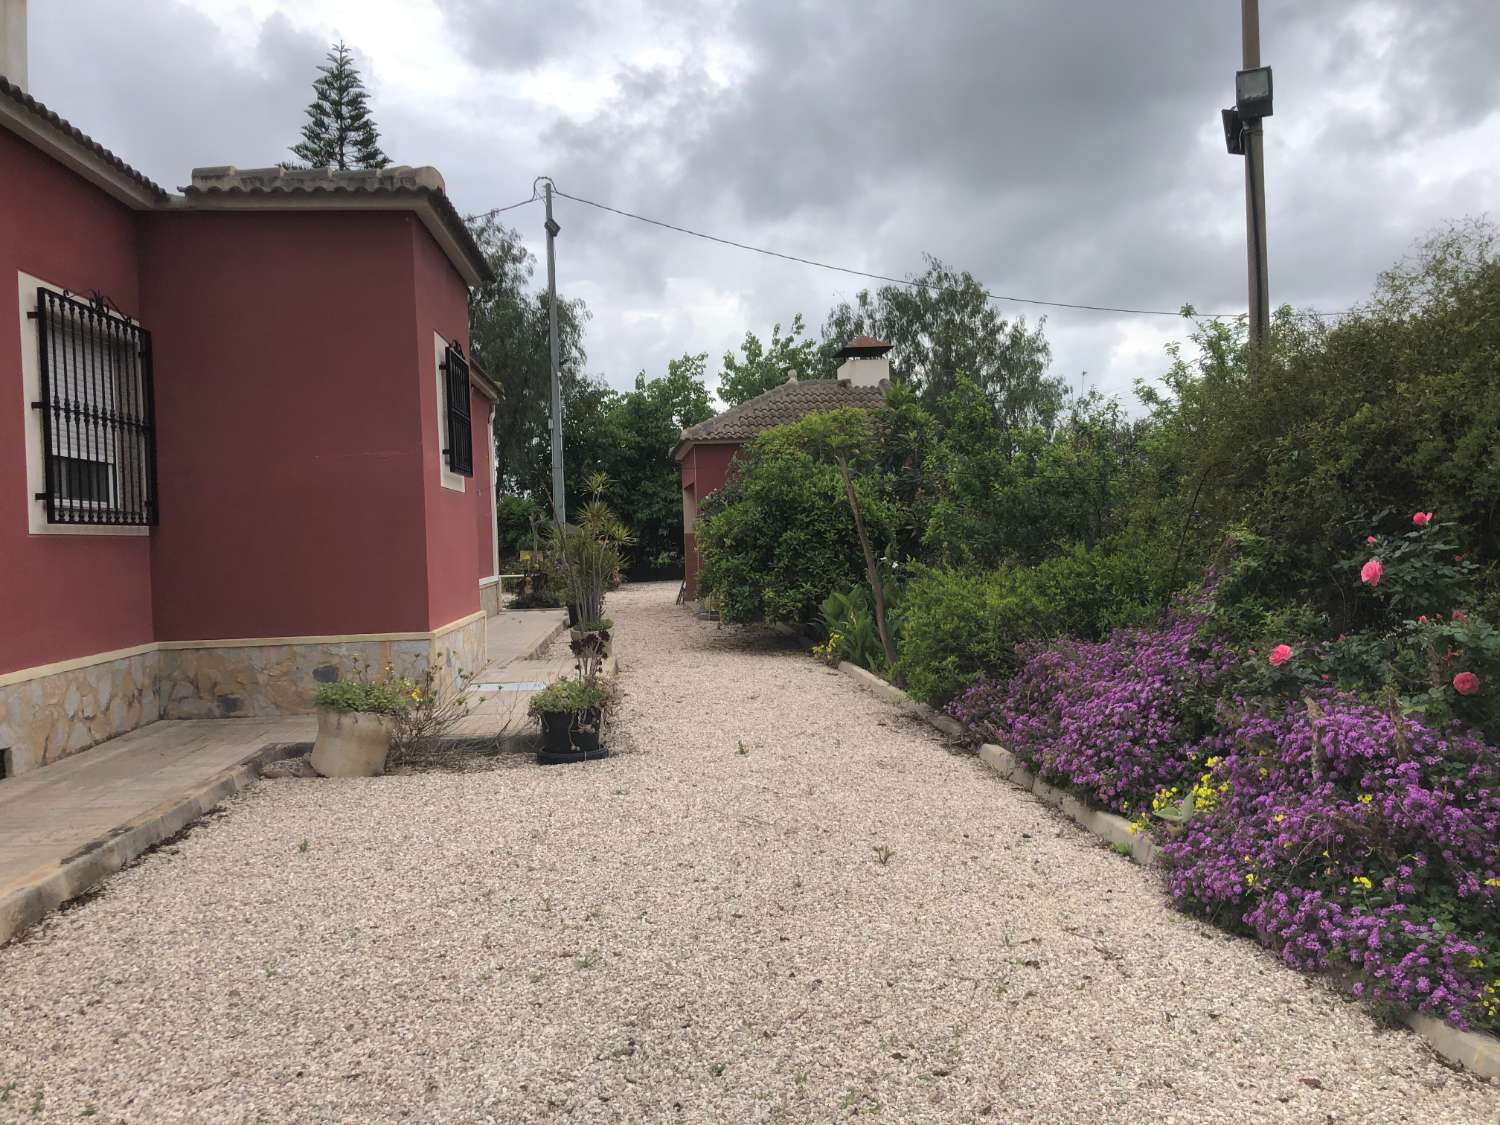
pixel 460 451
pixel 98 413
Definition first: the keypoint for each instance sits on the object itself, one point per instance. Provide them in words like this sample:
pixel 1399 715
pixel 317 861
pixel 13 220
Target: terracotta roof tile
pixel 780 405
pixel 10 90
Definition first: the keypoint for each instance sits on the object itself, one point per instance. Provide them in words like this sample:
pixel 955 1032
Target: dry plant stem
pixel 872 570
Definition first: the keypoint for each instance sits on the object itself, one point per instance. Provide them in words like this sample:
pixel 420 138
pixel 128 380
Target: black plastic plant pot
pixel 562 742
pixel 572 617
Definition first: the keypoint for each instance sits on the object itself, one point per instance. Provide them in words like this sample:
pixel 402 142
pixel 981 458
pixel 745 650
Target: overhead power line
pixel 913 283
pixel 493 211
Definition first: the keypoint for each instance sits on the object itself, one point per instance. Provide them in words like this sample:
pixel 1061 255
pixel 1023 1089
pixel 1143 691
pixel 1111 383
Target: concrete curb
pixel 892 694
pixel 539 649
pixel 49 887
pixel 1472 1050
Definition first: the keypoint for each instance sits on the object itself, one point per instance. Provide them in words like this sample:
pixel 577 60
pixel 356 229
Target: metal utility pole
pixel 1255 186
pixel 559 503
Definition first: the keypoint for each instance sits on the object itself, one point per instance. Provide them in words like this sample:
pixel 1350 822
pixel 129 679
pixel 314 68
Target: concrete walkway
pixel 66 826
pixel 518 634
pixel 780 899
pixel 525 655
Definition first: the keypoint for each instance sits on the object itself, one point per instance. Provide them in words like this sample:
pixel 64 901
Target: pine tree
pixel 340 132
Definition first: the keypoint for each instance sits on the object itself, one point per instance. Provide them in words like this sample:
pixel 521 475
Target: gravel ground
pixel 781 900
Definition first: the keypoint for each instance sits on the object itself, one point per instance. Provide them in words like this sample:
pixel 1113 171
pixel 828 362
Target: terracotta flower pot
pixel 351 743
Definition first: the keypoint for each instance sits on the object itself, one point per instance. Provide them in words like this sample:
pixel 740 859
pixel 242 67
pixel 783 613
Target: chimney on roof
pixel 13 42
pixel 866 363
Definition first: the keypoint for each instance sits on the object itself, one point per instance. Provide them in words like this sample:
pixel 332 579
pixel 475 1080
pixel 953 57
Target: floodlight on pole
pixel 1252 93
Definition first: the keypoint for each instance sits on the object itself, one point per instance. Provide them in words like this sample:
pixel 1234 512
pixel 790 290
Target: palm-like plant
pixel 588 555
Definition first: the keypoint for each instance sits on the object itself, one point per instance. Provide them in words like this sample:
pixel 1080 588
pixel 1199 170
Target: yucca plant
pixel 587 556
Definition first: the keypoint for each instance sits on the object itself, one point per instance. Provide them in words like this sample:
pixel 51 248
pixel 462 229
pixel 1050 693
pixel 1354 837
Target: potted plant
pixel 585 558
pixel 571 714
pixel 592 639
pixel 356 724
pixel 361 721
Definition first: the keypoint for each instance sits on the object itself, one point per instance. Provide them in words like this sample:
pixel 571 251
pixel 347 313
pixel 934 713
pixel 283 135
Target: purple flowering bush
pixel 1350 838
pixel 1120 720
pixel 1352 834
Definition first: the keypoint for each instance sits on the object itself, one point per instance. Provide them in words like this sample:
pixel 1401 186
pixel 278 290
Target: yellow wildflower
pixel 1363 881
pixel 1366 798
pixel 1492 882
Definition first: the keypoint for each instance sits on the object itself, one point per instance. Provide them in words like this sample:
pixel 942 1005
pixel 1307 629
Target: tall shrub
pixel 958 625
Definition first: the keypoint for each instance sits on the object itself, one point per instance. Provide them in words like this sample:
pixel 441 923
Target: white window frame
pixel 447 477
pixel 31 391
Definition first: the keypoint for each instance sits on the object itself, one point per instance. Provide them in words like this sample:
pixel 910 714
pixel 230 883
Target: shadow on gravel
pixel 744 639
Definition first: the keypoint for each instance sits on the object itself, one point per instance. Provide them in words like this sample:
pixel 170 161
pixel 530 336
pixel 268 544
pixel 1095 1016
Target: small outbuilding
pixel 707 451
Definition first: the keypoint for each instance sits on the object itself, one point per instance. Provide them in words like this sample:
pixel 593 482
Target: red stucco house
pixel 707 451
pixel 241 444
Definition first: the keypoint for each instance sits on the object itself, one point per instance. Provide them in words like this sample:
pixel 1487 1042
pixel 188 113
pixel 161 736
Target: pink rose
pixel 1371 572
pixel 1324 676
pixel 1422 519
pixel 1280 655
pixel 1422 620
pixel 1466 683
pixel 1370 539
pixel 1341 636
pixel 1460 615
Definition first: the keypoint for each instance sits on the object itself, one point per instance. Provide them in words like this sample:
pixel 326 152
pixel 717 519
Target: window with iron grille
pixel 97 413
pixel 460 451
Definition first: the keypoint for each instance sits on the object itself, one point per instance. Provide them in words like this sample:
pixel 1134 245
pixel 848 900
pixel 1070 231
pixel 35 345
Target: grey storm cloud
pixel 1060 150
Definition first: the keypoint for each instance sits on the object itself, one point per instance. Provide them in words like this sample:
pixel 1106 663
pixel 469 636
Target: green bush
pixel 352 695
pixel 779 538
pixel 849 630
pixel 958 625
pixel 566 697
pixel 535 599
pixel 521 523
pixel 1090 592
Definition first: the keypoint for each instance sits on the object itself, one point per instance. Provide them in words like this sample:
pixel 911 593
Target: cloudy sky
pixel 1069 151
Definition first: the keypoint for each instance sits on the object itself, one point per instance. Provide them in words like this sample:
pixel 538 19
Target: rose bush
pixel 1339 799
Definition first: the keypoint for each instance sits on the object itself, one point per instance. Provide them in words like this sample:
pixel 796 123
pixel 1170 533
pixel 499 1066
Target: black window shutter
pixel 460 449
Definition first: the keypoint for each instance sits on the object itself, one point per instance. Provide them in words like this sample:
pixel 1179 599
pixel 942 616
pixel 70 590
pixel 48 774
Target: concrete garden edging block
pixel 1474 1051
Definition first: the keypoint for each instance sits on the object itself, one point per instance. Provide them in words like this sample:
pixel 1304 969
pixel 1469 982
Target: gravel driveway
pixel 781 901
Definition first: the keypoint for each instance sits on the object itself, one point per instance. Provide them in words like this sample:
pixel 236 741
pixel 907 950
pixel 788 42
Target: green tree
pixel 641 426
pixel 847 438
pixel 508 330
pixel 943 325
pixel 779 537
pixel 760 367
pixel 1336 428
pixel 340 132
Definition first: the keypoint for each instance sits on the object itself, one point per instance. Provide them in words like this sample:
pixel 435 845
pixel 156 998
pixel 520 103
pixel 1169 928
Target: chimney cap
pixel 863 347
